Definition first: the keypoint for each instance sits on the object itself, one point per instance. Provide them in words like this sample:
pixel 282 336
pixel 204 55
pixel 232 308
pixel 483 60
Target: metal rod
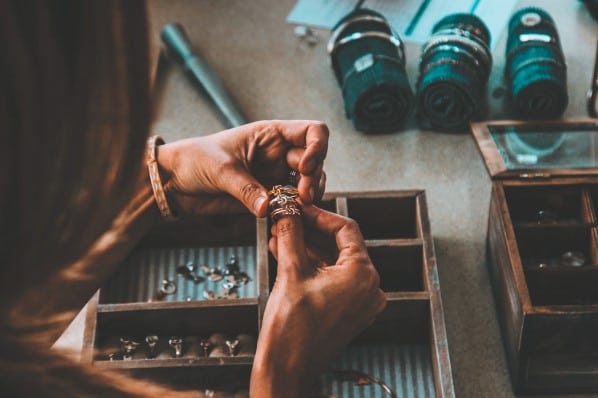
pixel 176 40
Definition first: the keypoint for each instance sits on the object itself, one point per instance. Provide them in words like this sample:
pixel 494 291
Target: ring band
pixel 283 202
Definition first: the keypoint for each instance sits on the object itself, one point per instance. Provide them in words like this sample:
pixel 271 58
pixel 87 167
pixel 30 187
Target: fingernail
pixel 257 204
pixel 311 165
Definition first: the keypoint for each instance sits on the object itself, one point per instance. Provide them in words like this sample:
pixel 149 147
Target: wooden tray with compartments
pixel 543 249
pixel 406 347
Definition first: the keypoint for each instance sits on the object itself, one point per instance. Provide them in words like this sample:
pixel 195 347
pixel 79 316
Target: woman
pixel 75 114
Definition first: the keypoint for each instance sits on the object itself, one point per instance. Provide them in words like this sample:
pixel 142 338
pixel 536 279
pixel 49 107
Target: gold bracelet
pixel 154 175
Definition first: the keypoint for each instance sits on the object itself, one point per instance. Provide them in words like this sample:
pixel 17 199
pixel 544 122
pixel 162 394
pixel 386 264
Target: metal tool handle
pixel 176 41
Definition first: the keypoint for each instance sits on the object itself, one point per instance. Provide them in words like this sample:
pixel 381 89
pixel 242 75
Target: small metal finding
pixel 573 259
pixel 177 344
pixel 362 379
pixel 151 340
pixel 206 269
pixel 188 274
pixel 114 356
pixel 215 275
pixel 232 347
pixel 128 346
pixel 244 278
pixel 304 33
pixel 191 266
pixel 546 217
pixel 168 286
pixel 205 346
pixel 229 291
pixel 294 177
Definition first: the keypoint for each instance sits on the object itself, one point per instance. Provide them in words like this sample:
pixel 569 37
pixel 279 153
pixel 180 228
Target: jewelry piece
pixel 188 298
pixel 294 177
pixel 245 279
pixel 209 393
pixel 128 347
pixel 177 344
pixel 232 347
pixel 283 202
pixel 573 259
pixel 156 182
pixel 168 287
pixel 205 346
pixel 215 275
pixel 184 271
pixel 232 267
pixel 151 341
pixel 546 217
pixel 303 33
pixel 229 291
pixel 191 266
pixel 285 211
pixel 114 355
pixel 209 295
pixel 206 269
pixel 362 379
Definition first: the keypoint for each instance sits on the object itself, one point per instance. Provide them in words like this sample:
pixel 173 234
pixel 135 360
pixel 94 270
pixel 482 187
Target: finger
pixel 273 246
pixel 345 230
pixel 310 184
pixel 292 256
pixel 381 301
pixel 316 256
pixel 243 186
pixel 377 306
pixel 209 204
pixel 310 134
pixel 321 187
pixel 294 156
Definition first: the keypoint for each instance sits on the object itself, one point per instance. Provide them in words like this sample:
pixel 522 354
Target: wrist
pixel 280 367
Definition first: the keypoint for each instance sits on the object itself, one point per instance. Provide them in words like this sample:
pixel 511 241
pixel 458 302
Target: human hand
pixel 323 297
pixel 224 172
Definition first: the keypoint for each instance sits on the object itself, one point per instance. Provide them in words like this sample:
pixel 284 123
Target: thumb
pixel 247 190
pixel 292 256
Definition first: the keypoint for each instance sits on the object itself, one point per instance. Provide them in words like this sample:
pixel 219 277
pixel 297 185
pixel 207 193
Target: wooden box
pixel 542 227
pixel 406 347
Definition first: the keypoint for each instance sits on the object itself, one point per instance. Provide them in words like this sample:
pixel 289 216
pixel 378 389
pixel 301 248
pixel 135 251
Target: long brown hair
pixel 75 111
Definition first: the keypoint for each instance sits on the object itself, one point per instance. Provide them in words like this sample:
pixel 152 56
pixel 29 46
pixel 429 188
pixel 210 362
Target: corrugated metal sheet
pixel 140 276
pixel 406 369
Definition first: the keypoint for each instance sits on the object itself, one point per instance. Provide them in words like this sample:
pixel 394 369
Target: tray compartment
pixel 140 277
pixel 400 266
pixel 549 281
pixel 385 217
pixel 559 205
pixel 405 368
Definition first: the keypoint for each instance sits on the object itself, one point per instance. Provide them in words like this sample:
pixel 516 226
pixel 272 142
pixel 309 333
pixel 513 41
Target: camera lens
pixel 368 60
pixel 536 72
pixel 454 68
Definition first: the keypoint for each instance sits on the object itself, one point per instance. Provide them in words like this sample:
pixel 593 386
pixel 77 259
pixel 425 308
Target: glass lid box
pixel 538 149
